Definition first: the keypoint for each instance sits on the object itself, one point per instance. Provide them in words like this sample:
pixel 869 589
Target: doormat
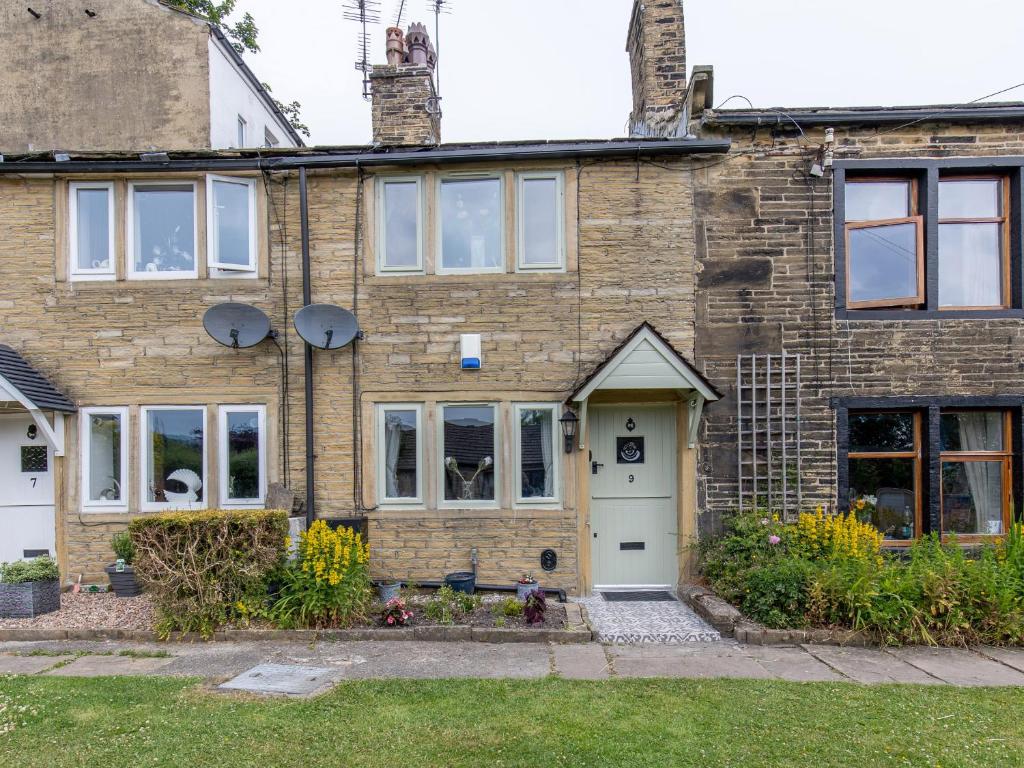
pixel 653 596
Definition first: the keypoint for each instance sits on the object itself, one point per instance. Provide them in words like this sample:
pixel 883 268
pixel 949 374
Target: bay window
pixel 104 439
pixel 243 455
pixel 173 457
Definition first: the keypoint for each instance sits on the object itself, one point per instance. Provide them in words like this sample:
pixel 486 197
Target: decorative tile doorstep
pixel 630 623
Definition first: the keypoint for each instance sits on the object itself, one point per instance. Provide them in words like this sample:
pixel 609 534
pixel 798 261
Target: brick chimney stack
pixel 656 45
pixel 406 110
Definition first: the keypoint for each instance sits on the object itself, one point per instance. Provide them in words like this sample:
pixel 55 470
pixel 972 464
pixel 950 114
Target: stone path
pixel 218 662
pixel 645 621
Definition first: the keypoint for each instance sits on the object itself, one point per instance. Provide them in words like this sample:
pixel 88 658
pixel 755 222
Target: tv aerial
pixel 238 326
pixel 364 13
pixel 326 326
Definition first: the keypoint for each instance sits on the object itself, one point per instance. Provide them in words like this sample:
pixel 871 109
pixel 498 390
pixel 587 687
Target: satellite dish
pixel 326 326
pixel 236 325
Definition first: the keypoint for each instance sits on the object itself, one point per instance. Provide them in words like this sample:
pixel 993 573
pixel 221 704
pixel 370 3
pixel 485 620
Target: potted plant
pixel 388 589
pixel 395 613
pixel 526 584
pixel 29 588
pixel 121 573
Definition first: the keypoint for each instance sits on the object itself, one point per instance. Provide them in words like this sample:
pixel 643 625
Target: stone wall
pixel 656 44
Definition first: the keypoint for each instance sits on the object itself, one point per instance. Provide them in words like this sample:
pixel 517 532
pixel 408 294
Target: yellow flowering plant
pixel 328 583
pixel 821 536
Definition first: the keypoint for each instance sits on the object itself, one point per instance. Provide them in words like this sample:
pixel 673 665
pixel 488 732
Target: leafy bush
pixel 25 571
pixel 536 605
pixel 508 607
pixel 328 584
pixel 446 605
pixel 123 546
pixel 199 566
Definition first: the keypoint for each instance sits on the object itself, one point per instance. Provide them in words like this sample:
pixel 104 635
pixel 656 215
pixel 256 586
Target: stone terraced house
pixel 574 358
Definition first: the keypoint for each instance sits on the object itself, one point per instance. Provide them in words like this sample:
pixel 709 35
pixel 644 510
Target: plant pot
pixel 461 581
pixel 123 582
pixel 522 590
pixel 388 590
pixel 30 599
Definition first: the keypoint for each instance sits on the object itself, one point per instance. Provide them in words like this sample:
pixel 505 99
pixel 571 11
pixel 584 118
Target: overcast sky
pixel 546 69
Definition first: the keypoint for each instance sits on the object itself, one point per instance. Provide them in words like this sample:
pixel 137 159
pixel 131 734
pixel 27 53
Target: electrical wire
pixel 947 109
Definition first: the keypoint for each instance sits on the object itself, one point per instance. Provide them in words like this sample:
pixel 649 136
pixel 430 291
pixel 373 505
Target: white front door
pixel 27 525
pixel 633 518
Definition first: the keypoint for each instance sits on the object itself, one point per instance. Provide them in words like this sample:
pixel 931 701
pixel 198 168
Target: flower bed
pixel 830 572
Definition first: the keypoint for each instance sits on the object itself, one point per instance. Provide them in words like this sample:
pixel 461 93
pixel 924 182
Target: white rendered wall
pixel 232 95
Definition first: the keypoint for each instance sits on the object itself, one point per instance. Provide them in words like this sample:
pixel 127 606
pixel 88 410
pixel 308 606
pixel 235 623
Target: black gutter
pixel 553 151
pixel 308 352
pixel 881 116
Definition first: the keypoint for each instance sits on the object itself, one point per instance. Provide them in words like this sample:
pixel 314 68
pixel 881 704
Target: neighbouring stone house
pixel 509 291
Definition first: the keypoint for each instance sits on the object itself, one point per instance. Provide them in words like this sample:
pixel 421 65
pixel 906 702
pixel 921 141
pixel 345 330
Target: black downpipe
pixel 308 351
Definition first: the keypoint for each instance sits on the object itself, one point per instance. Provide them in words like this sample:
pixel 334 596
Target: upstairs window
pixel 471 230
pixel 91 213
pixel 884 244
pixel 231 225
pixel 269 139
pixel 540 221
pixel 400 245
pixel 974 254
pixel 161 230
pixel 243 130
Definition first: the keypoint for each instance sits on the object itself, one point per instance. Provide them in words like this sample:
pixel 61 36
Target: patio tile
pixel 28 665
pixel 581 662
pixel 102 666
pixel 959 667
pixel 697 660
pixel 869 665
pixel 788 662
pixel 1011 657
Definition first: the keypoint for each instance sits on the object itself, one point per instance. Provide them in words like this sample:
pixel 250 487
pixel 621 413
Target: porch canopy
pixel 22 387
pixel 646 360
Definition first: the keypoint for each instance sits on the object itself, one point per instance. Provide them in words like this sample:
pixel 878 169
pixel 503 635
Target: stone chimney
pixel 406 109
pixel 656 45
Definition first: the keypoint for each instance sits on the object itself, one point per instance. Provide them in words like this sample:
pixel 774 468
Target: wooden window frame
pixel 1004 230
pixel 916 454
pixel 914 218
pixel 1004 456
pixel 558 265
pixel 463 176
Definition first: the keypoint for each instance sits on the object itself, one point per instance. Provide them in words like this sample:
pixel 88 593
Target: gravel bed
pixel 91 611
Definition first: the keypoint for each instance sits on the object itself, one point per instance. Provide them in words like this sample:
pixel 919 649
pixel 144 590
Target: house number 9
pixel 631 478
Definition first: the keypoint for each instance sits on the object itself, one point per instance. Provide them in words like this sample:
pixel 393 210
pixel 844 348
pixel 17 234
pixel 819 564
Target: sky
pixel 557 69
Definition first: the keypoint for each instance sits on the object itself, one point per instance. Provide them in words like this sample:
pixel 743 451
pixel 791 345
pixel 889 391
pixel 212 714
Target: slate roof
pixel 31 383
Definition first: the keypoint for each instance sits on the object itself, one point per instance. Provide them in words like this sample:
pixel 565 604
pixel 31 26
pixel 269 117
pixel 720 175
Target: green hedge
pixel 199 566
pixel 24 571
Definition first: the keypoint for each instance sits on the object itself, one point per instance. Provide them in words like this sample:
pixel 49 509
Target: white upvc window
pixel 243 130
pixel 104 445
pixel 231 226
pixel 173 457
pixel 400 227
pixel 471 224
pixel 468 458
pixel 399 453
pixel 536 457
pixel 91 236
pixel 161 230
pixel 540 221
pixel 242 458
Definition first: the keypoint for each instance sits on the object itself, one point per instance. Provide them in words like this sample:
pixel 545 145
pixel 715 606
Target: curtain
pixel 980 432
pixel 392 442
pixel 545 453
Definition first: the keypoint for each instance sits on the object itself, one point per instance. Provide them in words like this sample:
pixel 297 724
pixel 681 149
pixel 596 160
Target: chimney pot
pixel 418 42
pixel 404 100
pixel 395 46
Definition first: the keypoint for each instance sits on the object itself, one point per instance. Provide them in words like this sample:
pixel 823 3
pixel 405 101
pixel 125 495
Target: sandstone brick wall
pixel 403 94
pixel 766 283
pixel 134 76
pixel 656 44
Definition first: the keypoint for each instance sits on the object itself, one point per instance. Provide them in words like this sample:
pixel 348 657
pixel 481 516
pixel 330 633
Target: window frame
pixel 457 176
pixel 129 231
pixel 440 470
pixel 1004 457
pixel 160 506
pixel 242 132
pixel 916 454
pixel 76 273
pixel 383 499
pixel 223 459
pixel 517 456
pixel 85 442
pixel 1004 230
pixel 380 184
pixel 270 140
pixel 559 265
pixel 217 269
pixel 914 218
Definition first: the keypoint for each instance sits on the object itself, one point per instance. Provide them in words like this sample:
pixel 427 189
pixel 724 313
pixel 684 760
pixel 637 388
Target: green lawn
pixel 542 723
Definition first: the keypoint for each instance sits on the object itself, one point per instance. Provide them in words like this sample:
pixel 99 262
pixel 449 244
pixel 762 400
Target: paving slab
pixel 581 662
pixel 29 665
pixel 869 665
pixel 421 659
pixel 1011 657
pixel 103 666
pixel 282 680
pixel 959 667
pixel 791 662
pixel 697 660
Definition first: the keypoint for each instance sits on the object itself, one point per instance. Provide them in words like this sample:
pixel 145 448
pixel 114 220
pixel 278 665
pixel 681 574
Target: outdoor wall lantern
pixel 569 421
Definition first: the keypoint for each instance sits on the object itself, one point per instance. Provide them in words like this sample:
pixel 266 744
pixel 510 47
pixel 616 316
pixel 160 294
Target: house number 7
pixel 34 481
pixel 631 478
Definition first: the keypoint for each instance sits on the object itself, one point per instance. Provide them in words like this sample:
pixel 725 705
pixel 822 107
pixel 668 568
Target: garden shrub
pixel 446 605
pixel 837 536
pixel 199 566
pixel 124 548
pixel 328 583
pixel 776 594
pixel 25 571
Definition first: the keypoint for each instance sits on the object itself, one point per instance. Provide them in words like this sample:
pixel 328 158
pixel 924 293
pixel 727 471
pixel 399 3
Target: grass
pixel 550 722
